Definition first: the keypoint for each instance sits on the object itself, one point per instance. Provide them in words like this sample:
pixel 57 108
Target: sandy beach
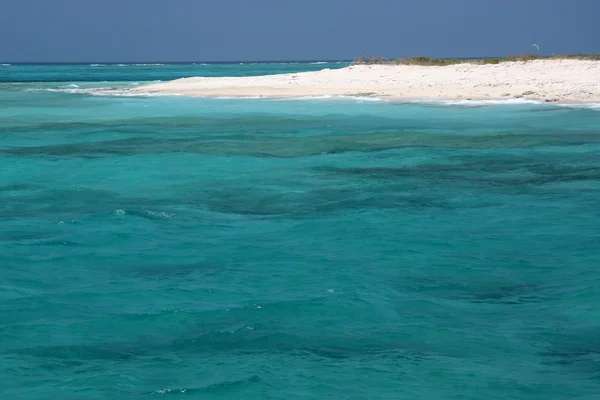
pixel 565 81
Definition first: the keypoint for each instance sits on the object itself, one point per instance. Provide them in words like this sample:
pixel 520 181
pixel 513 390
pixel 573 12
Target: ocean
pixel 340 248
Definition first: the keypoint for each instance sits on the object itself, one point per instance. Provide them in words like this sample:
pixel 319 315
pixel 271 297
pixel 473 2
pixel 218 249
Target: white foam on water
pixel 63 90
pixel 450 103
pixel 474 103
pixel 126 93
pixel 97 65
pixel 592 106
pixel 92 91
pixel 146 65
pixel 343 97
pixel 107 92
pixel 504 102
pixel 364 98
pixel 296 98
pixel 163 391
pixel 319 62
pixel 238 97
pixel 5 65
pixel 161 214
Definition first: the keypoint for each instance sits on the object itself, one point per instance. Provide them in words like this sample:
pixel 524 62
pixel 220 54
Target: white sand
pixel 565 81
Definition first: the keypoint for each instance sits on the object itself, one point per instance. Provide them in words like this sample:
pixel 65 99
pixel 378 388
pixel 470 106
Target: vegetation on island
pixel 425 60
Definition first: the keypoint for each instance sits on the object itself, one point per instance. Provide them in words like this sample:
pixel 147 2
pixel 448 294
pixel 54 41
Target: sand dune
pixel 565 81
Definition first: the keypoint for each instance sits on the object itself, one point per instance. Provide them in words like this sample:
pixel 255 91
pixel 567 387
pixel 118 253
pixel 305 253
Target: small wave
pixel 592 106
pixel 127 93
pixel 212 388
pixel 475 103
pixel 4 65
pixel 342 97
pixel 146 65
pixel 121 65
pixel 71 90
pixel 97 65
pixel 149 214
pixel 319 62
pixel 160 214
pixel 107 92
pixel 297 98
pixel 63 90
pixel 241 97
pixel 503 102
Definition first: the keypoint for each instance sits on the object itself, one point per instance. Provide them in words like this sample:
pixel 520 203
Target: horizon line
pixel 207 62
pixel 176 62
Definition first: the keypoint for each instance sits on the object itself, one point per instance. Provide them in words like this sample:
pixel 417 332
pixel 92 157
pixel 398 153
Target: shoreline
pixel 545 81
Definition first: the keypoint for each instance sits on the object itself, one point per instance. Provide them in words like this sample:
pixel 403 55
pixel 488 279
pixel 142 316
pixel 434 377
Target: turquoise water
pixel 130 72
pixel 158 247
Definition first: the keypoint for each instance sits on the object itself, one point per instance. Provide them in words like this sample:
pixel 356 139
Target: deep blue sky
pixel 228 30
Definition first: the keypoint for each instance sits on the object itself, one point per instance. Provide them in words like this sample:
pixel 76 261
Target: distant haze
pixel 229 30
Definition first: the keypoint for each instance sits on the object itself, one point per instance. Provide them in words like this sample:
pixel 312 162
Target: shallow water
pixel 298 249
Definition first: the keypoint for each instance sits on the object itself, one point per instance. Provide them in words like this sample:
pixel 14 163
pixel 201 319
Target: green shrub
pixel 428 61
pixel 371 60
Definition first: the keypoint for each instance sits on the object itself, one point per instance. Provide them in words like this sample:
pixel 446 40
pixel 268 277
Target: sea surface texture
pixel 171 247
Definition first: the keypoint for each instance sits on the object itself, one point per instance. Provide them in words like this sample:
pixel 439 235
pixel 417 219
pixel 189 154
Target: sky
pixel 245 30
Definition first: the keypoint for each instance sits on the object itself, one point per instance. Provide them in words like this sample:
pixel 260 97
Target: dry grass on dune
pixel 440 62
